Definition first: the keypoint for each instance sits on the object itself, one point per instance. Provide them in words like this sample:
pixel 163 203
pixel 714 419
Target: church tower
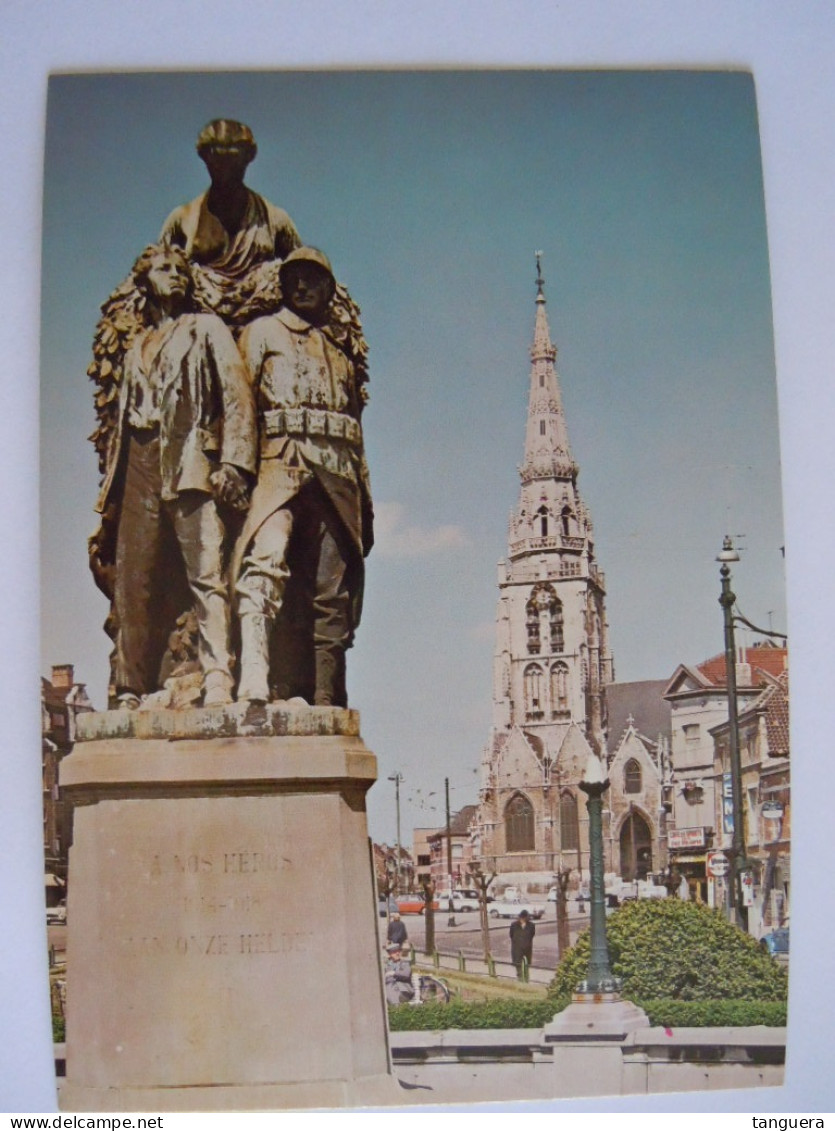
pixel 552 656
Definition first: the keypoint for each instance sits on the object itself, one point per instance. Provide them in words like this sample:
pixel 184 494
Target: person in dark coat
pixel 522 932
pixel 396 931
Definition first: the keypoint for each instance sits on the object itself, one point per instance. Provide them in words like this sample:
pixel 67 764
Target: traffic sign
pixel 717 864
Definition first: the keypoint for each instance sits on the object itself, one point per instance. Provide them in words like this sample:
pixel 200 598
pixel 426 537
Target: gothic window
pixel 543 521
pixel 557 641
pixel 532 625
pixel 559 688
pixel 632 777
pixel 519 825
pixel 533 690
pixel 569 824
pixel 542 427
pixel 543 614
pixel 566 517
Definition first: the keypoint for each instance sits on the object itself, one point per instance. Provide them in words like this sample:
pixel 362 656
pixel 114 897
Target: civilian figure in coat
pixel 180 440
pixel 396 931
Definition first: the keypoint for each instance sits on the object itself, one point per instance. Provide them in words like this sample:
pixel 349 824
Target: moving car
pixel 387 910
pixel 56 915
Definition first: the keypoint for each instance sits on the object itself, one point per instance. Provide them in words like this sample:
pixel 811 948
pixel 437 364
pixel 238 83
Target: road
pixel 465 935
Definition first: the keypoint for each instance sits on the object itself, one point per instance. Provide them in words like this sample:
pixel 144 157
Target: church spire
pixel 547 452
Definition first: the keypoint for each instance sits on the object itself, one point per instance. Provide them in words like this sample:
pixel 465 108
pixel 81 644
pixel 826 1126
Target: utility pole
pixel 429 911
pixel 451 920
pixel 397 778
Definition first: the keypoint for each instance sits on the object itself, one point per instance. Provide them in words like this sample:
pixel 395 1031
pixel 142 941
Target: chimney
pixel 63 676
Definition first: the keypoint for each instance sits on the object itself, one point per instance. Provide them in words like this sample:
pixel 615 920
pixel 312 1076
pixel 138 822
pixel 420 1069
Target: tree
pixel 669 949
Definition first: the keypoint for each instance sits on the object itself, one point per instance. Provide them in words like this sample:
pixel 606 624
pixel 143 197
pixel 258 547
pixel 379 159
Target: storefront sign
pixel 746 881
pixel 727 804
pixel 685 838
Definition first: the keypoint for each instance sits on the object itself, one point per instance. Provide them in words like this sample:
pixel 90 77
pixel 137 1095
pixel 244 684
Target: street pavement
pixel 465 935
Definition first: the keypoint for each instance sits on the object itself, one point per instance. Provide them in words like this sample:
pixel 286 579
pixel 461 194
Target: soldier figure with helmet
pixel 312 490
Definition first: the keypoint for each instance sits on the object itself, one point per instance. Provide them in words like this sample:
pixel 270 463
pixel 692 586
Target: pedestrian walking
pixel 522 932
pixel 396 931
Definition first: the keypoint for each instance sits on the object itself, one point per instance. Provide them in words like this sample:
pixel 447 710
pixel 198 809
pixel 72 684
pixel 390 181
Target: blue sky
pixel 430 192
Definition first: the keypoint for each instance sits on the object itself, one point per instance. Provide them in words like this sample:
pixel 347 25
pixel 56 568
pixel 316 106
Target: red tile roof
pixel 776 701
pixel 765 657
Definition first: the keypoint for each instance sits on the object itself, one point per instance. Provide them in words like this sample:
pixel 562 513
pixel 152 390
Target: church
pixel 553 679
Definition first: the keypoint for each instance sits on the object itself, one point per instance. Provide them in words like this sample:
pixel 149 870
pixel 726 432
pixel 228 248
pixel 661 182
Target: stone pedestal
pixel 588 1040
pixel 223 949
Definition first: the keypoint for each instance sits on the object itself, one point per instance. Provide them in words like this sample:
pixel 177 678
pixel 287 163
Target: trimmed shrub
pixel 706 1014
pixel 509 1014
pixel 503 1013
pixel 666 949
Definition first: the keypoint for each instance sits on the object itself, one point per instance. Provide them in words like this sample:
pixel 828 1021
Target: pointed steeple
pixel 547 451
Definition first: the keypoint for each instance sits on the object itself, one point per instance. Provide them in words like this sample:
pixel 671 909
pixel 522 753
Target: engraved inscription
pixel 215 904
pixel 247 862
pixel 208 946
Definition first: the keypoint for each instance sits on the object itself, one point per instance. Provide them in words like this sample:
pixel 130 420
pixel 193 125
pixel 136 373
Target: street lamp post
pixel 599 978
pixel 596 1006
pixel 727 600
pixel 397 778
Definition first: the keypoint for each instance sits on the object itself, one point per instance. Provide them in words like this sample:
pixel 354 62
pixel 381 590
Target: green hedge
pixel 707 1014
pixel 666 949
pixel 509 1014
pixel 502 1013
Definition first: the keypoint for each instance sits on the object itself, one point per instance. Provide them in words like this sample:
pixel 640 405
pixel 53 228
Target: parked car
pixel 387 910
pixel 414 904
pixel 471 893
pixel 510 908
pixel 56 915
pixel 648 888
pixel 584 896
pixel 776 943
pixel 461 901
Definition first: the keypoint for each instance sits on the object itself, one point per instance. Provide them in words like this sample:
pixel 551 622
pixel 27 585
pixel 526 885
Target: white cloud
pixel 396 537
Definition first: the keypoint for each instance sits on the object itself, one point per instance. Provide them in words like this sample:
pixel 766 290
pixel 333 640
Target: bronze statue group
pixel 230 373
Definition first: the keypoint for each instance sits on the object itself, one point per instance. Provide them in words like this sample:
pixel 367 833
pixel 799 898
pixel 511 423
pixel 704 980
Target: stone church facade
pixel 551 667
